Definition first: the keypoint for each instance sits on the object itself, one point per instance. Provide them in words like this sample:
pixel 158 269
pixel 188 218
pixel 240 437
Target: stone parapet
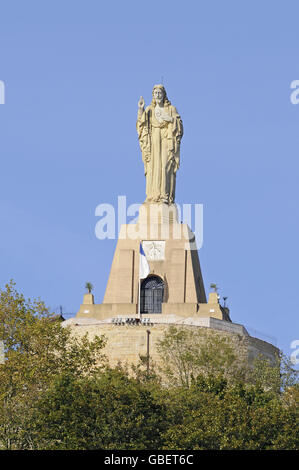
pixel 125 343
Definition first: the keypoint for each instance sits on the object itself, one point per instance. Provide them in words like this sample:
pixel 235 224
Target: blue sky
pixel 74 71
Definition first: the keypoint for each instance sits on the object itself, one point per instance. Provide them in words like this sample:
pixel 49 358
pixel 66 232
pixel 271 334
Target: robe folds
pixel 160 147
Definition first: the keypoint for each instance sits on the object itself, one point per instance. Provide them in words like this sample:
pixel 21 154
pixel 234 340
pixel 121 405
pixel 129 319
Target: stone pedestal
pixel 88 299
pixel 169 248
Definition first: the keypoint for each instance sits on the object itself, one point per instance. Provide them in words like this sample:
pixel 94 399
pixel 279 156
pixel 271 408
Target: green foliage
pixel 218 415
pixel 187 352
pixel 57 392
pixel 89 287
pixel 37 349
pixel 108 411
pixel 217 402
pixel 214 286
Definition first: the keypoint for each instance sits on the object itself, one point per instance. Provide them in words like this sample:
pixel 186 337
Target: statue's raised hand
pixel 141 104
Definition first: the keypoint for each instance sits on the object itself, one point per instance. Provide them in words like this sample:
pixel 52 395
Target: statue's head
pixel 159 95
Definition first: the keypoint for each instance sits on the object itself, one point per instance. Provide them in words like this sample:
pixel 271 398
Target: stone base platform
pixel 212 308
pixel 126 342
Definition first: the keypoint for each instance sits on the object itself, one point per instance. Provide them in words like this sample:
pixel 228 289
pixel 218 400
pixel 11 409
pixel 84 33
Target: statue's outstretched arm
pixel 140 105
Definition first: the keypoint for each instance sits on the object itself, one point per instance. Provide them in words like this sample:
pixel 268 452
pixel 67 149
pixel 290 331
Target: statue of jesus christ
pixel 160 130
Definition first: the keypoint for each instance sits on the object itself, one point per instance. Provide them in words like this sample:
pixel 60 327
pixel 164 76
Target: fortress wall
pixel 125 342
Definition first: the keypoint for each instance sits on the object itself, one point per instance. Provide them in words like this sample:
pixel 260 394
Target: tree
pixel 106 411
pixel 215 414
pixel 217 402
pixel 185 352
pixel 36 351
pixel 214 286
pixel 57 392
pixel 89 287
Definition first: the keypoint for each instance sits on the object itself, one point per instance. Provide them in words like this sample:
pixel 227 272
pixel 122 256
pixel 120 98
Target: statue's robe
pixel 160 147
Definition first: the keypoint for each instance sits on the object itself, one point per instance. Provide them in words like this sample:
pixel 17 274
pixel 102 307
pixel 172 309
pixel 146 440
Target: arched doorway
pixel 151 295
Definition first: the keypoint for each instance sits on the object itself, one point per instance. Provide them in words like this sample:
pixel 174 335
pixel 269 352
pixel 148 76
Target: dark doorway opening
pixel 151 295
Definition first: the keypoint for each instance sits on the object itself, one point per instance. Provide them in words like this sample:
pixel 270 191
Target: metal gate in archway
pixel 151 295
